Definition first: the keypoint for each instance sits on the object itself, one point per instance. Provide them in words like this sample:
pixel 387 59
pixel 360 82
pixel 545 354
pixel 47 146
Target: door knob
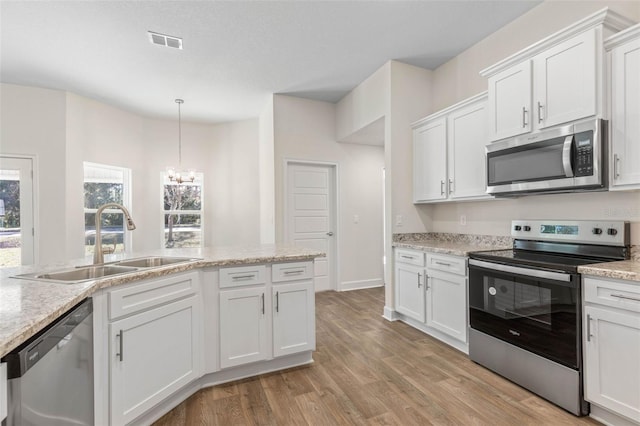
pixel 330 233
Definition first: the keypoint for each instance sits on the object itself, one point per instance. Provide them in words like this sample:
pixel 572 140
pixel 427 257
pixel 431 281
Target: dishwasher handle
pixel 25 356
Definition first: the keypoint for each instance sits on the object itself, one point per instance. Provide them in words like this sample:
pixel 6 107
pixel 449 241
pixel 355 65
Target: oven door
pixel 536 310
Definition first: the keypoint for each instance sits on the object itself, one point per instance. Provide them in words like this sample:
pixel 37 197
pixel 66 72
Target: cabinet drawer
pixel 291 271
pixel 139 297
pixel 242 276
pixel 612 293
pixel 442 262
pixel 410 256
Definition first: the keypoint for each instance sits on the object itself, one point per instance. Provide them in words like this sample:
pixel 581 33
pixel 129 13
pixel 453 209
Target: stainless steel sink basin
pixel 154 261
pixel 72 276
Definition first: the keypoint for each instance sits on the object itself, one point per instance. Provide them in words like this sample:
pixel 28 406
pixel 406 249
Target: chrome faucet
pixel 98 257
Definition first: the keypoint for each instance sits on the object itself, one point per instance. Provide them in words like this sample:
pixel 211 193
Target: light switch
pixel 463 220
pixel 356 218
pixel 399 220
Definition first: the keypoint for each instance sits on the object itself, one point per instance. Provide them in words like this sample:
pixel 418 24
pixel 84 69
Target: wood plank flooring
pixel 369 371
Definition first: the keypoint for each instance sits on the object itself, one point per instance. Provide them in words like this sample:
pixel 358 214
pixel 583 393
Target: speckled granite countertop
pixel 623 270
pixel 27 306
pixel 453 244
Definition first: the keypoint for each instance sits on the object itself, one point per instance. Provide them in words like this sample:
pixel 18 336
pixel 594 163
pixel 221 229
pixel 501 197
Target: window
pixel 106 184
pixel 183 213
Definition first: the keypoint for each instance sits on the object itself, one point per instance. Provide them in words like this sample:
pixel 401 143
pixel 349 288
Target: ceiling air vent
pixel 165 40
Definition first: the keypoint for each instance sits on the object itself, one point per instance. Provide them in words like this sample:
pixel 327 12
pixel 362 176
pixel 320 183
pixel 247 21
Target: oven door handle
pixel 566 156
pixel 557 276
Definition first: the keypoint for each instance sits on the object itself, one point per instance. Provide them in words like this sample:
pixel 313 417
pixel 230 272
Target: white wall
pixel 460 78
pixel 32 122
pixel 306 130
pixel 267 175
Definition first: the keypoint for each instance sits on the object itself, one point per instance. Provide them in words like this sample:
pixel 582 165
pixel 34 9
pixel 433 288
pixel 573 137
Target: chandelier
pixel 174 175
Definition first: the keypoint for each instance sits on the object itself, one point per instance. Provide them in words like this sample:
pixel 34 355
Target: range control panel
pixel 605 232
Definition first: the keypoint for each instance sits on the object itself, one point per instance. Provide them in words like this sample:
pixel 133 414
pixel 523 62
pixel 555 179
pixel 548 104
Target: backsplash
pixel 479 240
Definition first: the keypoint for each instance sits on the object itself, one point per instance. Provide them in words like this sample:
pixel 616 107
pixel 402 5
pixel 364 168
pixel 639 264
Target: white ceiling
pixel 236 53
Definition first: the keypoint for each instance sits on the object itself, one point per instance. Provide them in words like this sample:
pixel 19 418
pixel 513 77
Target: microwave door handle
pixel 566 156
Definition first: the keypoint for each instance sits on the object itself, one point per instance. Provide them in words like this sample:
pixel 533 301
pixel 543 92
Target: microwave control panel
pixel 583 163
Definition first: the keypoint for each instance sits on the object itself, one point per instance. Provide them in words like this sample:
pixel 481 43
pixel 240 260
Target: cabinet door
pixel 152 354
pixel 510 102
pixel 447 304
pixel 625 113
pixel 430 161
pixel 565 81
pixel 612 360
pixel 467 138
pixel 410 291
pixel 293 318
pixel 243 326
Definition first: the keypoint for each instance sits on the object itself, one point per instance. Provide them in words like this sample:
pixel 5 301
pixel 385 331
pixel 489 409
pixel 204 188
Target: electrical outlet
pixel 463 220
pixel 399 220
pixel 356 218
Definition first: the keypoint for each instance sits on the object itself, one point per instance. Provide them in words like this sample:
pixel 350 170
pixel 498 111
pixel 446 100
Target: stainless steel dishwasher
pixel 51 375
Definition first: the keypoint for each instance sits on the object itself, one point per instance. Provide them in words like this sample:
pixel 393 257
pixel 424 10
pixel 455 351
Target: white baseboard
pixel 389 314
pixel 360 284
pixel 608 418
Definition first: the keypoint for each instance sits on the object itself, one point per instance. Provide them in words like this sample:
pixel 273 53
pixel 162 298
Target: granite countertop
pixel 27 306
pixel 452 244
pixel 623 270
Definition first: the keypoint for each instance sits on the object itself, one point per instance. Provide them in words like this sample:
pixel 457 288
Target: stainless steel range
pixel 525 304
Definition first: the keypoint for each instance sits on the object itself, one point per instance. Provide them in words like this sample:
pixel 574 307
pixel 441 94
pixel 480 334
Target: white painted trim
pixel 443 112
pixel 336 209
pixel 622 37
pixel 389 314
pixel 609 418
pixel 361 284
pixel 445 338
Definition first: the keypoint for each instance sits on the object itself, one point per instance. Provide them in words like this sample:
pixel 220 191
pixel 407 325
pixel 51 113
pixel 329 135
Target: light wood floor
pixel 369 371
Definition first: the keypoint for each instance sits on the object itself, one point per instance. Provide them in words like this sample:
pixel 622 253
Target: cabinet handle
pixel 616 160
pixel 442 263
pixel 539 112
pixel 441 187
pixel 622 296
pixel 419 283
pixel 588 328
pixel 406 257
pixel 277 301
pixel 297 271
pixel 262 303
pixel 426 284
pixel 243 277
pixel 450 184
pixel 121 338
pixel 524 117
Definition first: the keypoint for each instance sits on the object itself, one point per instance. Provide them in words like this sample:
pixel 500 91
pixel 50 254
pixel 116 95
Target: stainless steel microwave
pixel 570 158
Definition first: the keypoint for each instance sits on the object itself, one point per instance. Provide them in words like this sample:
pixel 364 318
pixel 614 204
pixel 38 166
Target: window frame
pixel 126 200
pixel 199 181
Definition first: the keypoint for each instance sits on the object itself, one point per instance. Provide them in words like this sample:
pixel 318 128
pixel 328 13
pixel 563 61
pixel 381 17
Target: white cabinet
pixel 430 161
pixel 3 391
pixel 154 350
pixel 243 326
pixel 612 346
pixel 293 318
pixel 433 296
pixel 563 80
pixel 449 153
pixel 624 60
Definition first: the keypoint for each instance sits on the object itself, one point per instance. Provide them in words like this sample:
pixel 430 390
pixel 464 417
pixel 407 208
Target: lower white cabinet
pixel 432 294
pixel 294 322
pixel 612 346
pixel 446 304
pixel 243 326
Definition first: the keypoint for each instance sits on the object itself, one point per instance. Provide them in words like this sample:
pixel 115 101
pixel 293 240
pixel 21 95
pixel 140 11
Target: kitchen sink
pixel 154 261
pixel 77 275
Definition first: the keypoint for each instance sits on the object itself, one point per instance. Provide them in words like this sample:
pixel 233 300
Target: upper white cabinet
pixel 624 60
pixel 448 156
pixel 555 81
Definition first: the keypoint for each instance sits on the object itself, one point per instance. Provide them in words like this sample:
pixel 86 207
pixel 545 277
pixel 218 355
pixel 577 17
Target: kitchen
pixel 78 129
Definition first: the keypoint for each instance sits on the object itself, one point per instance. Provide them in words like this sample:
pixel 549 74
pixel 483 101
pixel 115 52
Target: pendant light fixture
pixel 178 175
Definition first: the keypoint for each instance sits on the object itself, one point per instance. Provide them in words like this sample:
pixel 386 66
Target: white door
pixel 447 304
pixel 510 102
pixel 294 327
pixel 310 215
pixel 612 360
pixel 243 326
pixel 410 291
pixel 565 81
pixel 430 161
pixel 16 212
